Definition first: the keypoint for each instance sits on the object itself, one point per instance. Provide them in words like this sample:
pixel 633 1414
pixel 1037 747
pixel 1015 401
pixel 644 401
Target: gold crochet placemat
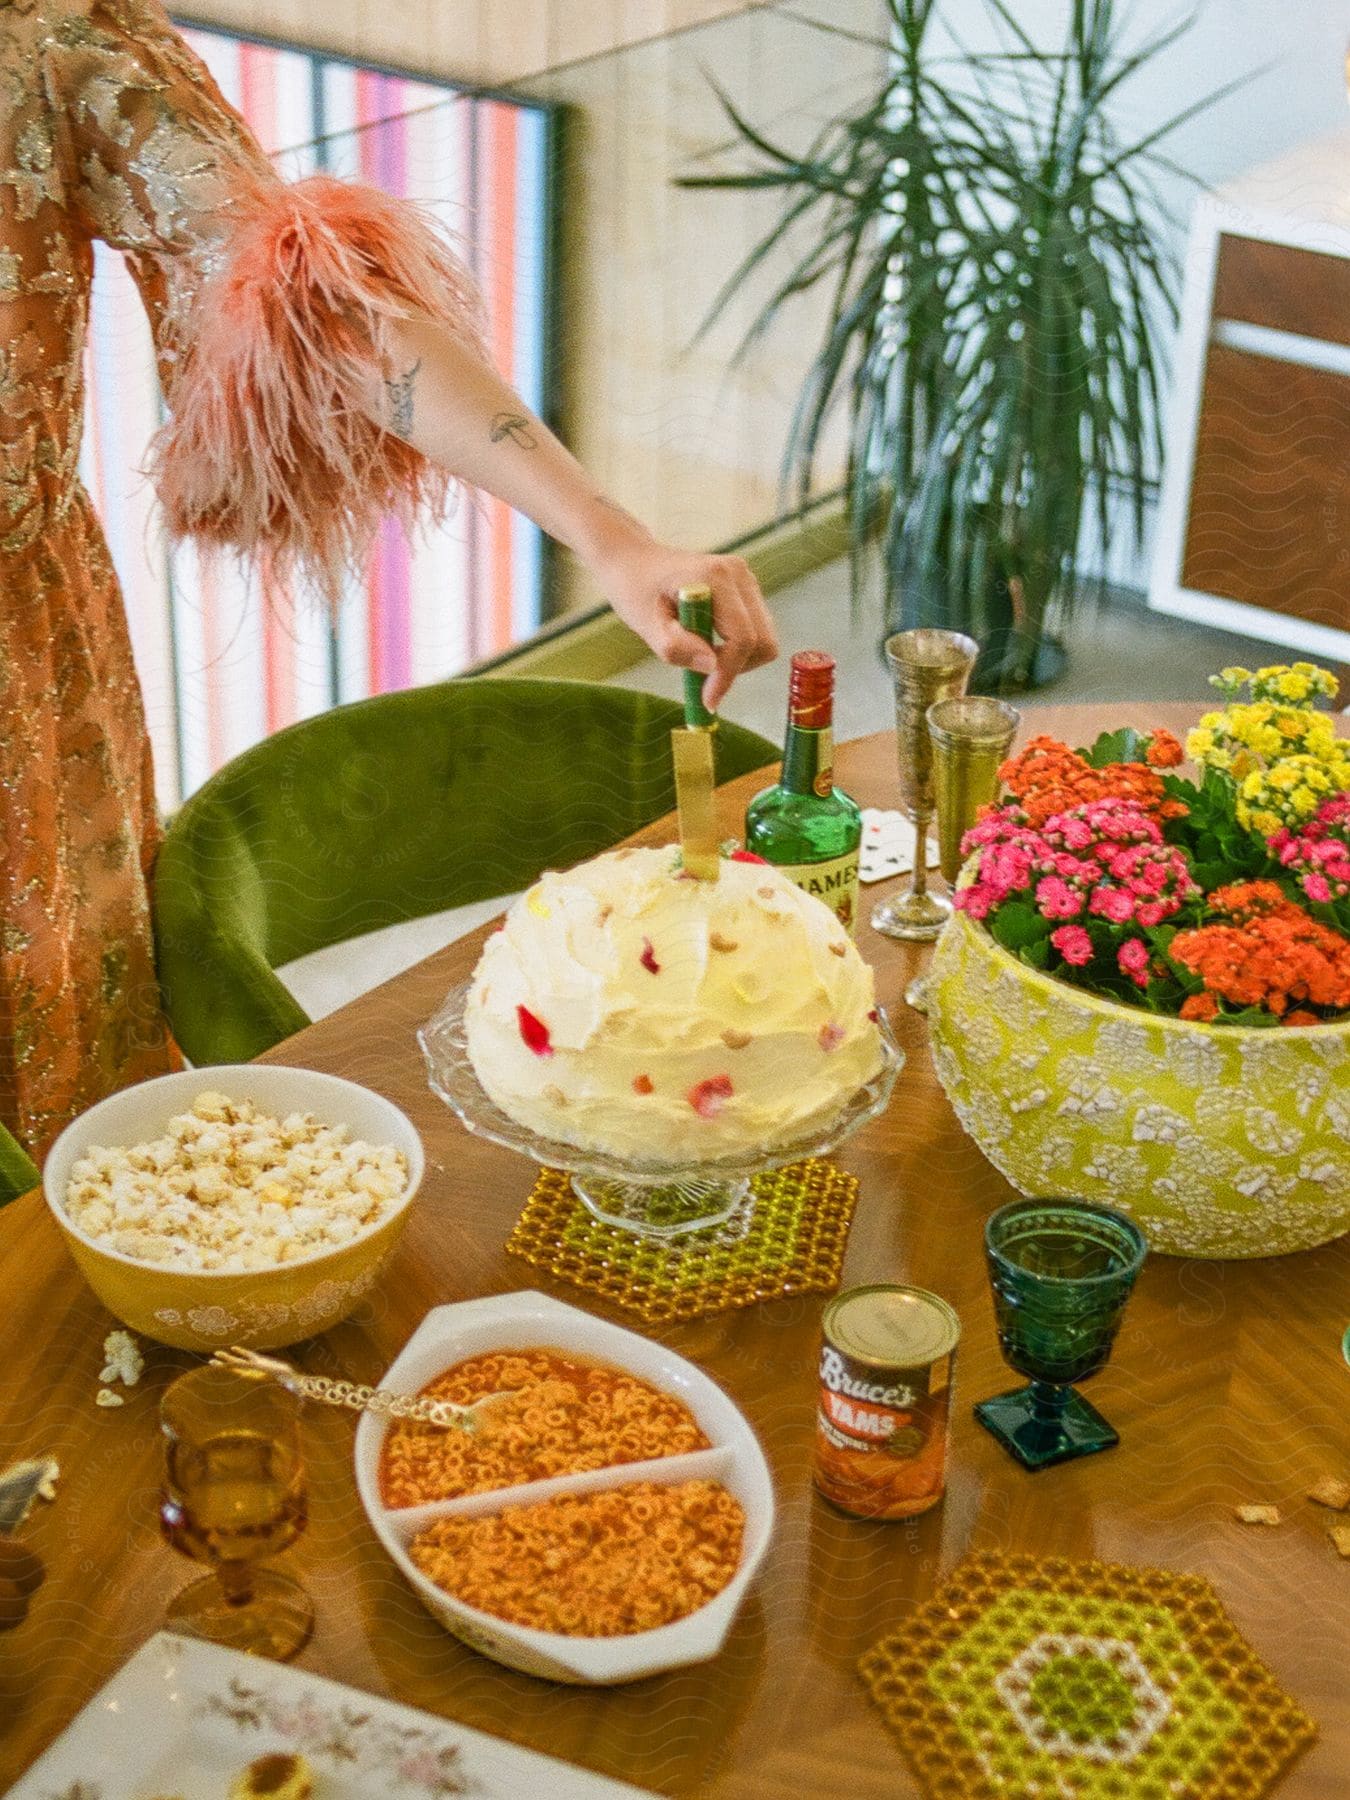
pixel 1023 1679
pixel 789 1240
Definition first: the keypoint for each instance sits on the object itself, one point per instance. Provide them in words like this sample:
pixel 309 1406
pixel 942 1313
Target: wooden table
pixel 1227 1386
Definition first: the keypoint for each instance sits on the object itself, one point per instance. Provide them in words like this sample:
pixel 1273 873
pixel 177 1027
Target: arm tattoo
pixel 514 426
pixel 400 392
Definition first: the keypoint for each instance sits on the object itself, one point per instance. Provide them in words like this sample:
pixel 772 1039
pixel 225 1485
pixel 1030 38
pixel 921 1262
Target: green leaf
pixel 1123 746
pixel 1017 924
pixel 1249 1015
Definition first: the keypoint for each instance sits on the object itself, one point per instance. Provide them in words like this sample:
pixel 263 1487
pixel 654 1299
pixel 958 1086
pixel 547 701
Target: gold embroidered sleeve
pixel 154 155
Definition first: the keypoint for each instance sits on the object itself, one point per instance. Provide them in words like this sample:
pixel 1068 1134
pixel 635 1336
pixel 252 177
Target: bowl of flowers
pixel 1143 996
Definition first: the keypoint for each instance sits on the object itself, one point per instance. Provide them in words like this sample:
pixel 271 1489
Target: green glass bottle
pixel 805 824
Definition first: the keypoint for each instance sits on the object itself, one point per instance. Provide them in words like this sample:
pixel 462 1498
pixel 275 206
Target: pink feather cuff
pixel 271 449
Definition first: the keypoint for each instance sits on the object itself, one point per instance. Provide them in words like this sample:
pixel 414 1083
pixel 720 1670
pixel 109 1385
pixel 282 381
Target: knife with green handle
pixel 692 749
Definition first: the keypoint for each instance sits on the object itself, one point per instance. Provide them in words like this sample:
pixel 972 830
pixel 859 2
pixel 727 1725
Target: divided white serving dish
pixel 534 1321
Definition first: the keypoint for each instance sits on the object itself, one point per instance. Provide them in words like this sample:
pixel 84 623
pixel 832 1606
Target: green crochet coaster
pixel 1051 1680
pixel 791 1240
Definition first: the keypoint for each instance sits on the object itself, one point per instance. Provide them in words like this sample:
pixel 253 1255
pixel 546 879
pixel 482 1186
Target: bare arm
pixel 443 399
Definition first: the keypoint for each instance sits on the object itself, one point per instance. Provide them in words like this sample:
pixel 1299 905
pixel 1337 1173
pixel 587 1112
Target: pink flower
pixel 1073 944
pixel 1150 912
pixel 1133 958
pixel 1123 863
pixel 1057 900
pixel 1317 887
pixel 977 900
pixel 1112 903
pixel 1077 832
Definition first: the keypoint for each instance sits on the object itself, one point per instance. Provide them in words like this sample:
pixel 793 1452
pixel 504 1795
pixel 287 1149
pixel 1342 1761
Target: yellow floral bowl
pixel 1220 1140
pixel 263 1309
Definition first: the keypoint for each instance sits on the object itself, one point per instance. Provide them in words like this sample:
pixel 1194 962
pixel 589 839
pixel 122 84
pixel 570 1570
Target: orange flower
pixel 1199 1006
pixel 1046 777
pixel 1249 899
pixel 1164 751
pixel 1267 952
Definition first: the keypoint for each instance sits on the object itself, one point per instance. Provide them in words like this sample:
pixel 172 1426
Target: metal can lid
pixel 895 1327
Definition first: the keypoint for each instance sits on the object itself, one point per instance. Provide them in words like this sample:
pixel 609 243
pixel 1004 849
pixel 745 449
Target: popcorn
pixel 122 1361
pixel 228 1188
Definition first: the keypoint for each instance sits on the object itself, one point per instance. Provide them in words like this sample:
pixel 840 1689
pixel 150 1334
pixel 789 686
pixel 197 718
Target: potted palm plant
pixel 999 275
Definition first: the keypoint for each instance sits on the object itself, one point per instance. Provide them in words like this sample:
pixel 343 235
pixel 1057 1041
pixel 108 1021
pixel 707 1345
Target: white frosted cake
pixel 625 1008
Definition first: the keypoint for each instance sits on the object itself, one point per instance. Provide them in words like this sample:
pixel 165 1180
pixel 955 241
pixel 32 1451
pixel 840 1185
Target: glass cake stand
pixel 658 1200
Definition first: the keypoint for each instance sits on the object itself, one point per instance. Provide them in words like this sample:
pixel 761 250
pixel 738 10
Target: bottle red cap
pixel 811 690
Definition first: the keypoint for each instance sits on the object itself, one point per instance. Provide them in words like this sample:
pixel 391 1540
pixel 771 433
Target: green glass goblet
pixel 1061 1272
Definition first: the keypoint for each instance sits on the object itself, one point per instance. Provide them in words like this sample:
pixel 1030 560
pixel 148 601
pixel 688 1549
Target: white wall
pixel 1300 47
pixel 1300 94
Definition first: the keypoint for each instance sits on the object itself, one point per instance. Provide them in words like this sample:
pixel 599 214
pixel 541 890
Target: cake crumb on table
pixel 106 1397
pixel 1331 1492
pixel 1257 1515
pixel 1340 1537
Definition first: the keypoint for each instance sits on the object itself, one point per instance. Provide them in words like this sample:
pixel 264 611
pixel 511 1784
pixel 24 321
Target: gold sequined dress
pixel 110 128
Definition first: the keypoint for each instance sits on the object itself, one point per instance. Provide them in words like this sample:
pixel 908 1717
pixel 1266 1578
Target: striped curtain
pixel 221 663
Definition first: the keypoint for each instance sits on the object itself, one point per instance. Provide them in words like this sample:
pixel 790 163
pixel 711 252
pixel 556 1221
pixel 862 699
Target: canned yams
pixel 885 1386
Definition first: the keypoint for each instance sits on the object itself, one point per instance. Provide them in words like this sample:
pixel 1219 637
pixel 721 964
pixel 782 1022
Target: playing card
pixel 888 845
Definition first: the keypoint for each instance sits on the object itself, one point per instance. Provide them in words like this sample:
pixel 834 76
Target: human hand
pixel 21 1575
pixel 640 577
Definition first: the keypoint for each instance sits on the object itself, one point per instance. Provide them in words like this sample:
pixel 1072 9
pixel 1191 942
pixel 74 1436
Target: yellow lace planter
pixel 1221 1141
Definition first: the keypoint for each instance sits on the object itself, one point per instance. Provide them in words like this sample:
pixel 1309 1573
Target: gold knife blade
pixel 694 783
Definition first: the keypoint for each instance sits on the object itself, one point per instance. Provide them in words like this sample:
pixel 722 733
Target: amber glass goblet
pixel 1061 1272
pixel 234 1496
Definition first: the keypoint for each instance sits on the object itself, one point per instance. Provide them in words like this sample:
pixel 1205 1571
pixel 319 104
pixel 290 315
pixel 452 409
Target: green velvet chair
pixel 17 1172
pixel 387 810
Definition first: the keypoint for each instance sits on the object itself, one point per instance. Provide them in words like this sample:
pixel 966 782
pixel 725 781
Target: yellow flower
pixel 1200 742
pixel 1233 676
pixel 1285 776
pixel 1293 686
pixel 1304 801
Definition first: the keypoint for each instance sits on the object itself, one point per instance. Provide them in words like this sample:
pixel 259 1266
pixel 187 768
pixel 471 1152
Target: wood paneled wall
pixel 489 41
